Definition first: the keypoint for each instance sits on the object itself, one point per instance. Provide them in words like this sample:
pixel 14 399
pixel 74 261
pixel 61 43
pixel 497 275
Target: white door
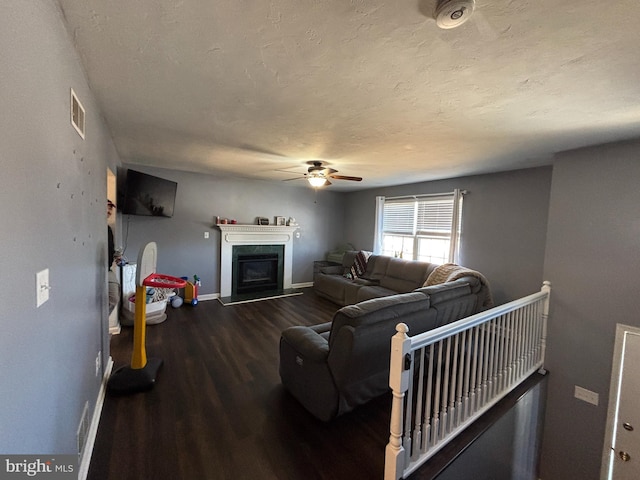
pixel 621 460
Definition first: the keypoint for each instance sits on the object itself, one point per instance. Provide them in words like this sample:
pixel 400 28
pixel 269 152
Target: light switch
pixel 42 287
pixel 206 234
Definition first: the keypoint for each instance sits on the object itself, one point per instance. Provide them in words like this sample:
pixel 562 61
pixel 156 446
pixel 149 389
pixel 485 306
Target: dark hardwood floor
pixel 218 410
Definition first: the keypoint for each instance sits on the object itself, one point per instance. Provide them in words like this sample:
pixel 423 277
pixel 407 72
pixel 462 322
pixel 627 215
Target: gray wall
pixel 53 192
pixel 182 248
pixel 592 261
pixel 503 227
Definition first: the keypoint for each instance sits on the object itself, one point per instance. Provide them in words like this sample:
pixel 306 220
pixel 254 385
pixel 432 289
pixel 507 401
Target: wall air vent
pixel 77 114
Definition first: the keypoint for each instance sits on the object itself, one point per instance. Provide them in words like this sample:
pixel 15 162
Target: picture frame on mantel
pixel 281 221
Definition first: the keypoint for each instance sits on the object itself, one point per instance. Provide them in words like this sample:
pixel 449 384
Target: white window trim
pixel 456 221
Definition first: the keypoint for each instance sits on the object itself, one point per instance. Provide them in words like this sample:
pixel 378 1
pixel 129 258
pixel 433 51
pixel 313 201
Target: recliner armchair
pixel 333 367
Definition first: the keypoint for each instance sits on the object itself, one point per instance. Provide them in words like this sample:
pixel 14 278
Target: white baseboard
pixel 85 461
pixel 213 296
pixel 208 296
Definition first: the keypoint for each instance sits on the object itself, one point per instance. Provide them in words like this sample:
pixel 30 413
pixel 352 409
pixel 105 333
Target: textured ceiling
pixel 374 88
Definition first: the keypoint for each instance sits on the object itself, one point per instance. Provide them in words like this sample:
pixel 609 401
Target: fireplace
pixel 252 236
pixel 257 268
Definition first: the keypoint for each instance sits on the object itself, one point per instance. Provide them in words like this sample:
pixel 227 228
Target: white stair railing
pixel 445 379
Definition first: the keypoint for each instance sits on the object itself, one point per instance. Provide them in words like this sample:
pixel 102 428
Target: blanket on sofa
pixel 450 272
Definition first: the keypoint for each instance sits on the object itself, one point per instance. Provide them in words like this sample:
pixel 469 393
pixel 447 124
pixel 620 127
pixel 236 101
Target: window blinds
pixel 431 215
pixel 436 217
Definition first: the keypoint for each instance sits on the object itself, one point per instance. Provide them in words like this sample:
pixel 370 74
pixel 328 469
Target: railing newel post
pixel 546 288
pixel 395 456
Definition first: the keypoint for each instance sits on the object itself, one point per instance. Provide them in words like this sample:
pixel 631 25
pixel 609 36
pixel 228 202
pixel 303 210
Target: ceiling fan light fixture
pixel 316 180
pixel 453 13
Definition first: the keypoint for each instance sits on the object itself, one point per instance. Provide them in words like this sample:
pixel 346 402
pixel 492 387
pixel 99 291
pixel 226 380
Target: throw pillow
pixel 359 264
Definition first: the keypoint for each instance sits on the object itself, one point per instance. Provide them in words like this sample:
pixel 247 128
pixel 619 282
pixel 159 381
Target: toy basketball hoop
pixel 158 280
pixel 141 374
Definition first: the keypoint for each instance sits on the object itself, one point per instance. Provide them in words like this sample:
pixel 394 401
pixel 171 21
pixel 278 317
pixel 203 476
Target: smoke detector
pixel 453 13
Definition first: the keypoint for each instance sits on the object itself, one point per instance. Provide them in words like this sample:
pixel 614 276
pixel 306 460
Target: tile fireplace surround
pixel 231 235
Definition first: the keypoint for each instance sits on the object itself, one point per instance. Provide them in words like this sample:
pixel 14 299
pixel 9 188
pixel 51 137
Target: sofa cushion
pixel 404 276
pixel 309 343
pixel 376 267
pixel 377 310
pixel 452 301
pixel 372 291
pixel 446 291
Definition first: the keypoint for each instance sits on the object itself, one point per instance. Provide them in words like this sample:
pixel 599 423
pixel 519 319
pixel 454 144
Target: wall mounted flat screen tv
pixel 148 195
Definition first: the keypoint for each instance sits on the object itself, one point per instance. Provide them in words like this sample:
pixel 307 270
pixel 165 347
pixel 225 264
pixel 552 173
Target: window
pixel 424 227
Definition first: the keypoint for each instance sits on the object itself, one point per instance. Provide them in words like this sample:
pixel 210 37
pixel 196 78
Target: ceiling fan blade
pixel 294 178
pixel 344 177
pixel 328 171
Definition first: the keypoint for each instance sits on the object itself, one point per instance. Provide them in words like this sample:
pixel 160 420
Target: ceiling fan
pixel 318 175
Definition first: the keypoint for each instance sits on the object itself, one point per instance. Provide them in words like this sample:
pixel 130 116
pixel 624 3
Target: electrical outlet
pixel 586 395
pixel 42 287
pixel 98 363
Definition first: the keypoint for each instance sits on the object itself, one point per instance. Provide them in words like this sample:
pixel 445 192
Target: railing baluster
pixel 406 442
pixel 491 360
pixel 525 338
pixel 512 349
pixel 428 414
pixel 417 432
pixel 445 389
pixel 501 351
pixel 533 338
pixel 453 382
pixel 468 368
pixel 462 376
pixel 468 377
pixel 474 370
pixel 482 378
pixel 436 398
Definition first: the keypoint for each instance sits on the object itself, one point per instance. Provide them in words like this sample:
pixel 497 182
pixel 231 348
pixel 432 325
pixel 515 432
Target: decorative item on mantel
pixel 225 221
pixel 292 222
pixel 280 221
pixel 262 221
